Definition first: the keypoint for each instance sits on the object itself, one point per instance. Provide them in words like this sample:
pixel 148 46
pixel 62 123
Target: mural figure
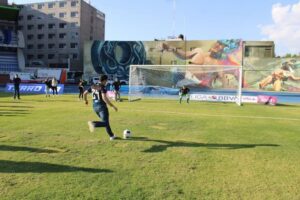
pixel 223 52
pixel 279 76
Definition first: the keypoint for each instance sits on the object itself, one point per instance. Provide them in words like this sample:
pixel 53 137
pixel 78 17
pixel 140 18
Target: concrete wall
pixel 92 26
pixel 260 49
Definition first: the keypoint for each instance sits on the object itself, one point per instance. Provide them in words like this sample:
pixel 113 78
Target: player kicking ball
pixel 184 92
pixel 100 102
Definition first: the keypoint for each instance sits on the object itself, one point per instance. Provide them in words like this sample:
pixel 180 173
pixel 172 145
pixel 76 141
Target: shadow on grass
pixel 14 110
pixel 53 99
pixel 7 166
pixel 13 113
pixel 287 105
pixel 6 94
pixel 12 102
pixel 167 144
pixel 133 100
pixel 16 106
pixel 29 149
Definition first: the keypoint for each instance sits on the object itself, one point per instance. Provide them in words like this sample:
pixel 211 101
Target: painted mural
pixel 272 74
pixel 115 57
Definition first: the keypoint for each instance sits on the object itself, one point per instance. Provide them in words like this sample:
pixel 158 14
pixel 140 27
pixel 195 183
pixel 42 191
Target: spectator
pixel 17 82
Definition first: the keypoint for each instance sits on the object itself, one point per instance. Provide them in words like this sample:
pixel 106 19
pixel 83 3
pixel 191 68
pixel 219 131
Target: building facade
pixel 3 2
pixel 259 49
pixel 55 32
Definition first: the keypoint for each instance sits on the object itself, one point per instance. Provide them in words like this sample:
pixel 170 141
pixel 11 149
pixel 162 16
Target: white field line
pixel 211 115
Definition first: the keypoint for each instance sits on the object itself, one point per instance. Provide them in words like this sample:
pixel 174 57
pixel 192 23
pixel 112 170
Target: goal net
pixel 206 82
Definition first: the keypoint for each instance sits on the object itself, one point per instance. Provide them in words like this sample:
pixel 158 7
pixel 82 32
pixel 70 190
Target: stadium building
pixel 55 32
pixel 11 42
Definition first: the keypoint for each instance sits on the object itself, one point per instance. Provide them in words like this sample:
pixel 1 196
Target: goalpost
pixel 221 83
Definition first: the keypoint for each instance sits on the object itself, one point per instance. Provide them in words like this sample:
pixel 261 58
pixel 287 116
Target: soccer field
pixel 189 151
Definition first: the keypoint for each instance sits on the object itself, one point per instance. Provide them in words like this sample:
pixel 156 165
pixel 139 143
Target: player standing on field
pixel 17 82
pixel 100 102
pixel 184 92
pixel 81 88
pixel 117 86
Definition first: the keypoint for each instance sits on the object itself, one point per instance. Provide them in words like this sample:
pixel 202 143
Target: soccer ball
pixel 126 134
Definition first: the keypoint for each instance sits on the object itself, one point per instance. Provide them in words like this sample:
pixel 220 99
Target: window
pixel 73 45
pixel 247 51
pixel 51 15
pixel 41 26
pixel 30 46
pixel 30 56
pixel 62 4
pixel 40 56
pixel 74 14
pixel 30 27
pixel 51 5
pixel 29 37
pixel 63 56
pixel 62 45
pixel 74 3
pixel 51 56
pixel 40 6
pixel 40 17
pixel 51 46
pixel 20 27
pixel 74 24
pixel 62 15
pixel 75 56
pixel 74 35
pixel 62 25
pixel 41 36
pixel 20 17
pixel 51 26
pixel 41 46
pixel 29 17
pixel 62 35
pixel 51 35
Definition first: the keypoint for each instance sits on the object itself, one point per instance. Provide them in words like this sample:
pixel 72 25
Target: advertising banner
pixel 222 98
pixel 34 88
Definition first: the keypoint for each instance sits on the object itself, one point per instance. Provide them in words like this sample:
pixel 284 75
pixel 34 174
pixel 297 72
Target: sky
pixel 276 20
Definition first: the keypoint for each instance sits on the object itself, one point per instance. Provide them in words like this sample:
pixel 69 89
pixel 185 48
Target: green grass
pixel 195 151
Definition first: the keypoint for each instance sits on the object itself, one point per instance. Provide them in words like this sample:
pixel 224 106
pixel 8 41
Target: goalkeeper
pixel 184 92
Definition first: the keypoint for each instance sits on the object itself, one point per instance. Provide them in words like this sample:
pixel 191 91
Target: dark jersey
pixel 97 95
pixel 184 90
pixel 117 85
pixel 48 83
pixel 17 81
pixel 80 84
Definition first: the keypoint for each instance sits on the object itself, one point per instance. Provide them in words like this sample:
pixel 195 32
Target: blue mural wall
pixel 115 57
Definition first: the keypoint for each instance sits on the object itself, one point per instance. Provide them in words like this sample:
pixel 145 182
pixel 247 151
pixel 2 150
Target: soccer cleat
pixel 91 126
pixel 112 138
